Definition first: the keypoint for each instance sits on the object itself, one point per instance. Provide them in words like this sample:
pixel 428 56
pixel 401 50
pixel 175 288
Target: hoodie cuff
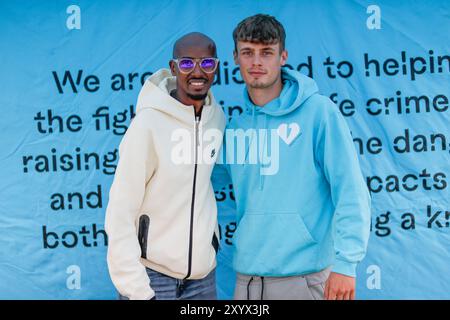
pixel 345 268
pixel 143 296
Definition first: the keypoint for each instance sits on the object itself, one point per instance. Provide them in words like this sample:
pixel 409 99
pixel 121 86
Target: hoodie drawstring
pixel 262 288
pixel 248 288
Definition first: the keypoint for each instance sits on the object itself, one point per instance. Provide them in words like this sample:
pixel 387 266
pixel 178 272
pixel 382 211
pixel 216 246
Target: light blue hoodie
pixel 309 207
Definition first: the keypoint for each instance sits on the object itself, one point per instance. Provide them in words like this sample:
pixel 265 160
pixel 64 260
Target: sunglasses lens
pixel 208 65
pixel 186 65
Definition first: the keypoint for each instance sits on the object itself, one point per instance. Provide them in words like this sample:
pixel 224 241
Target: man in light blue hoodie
pixel 303 209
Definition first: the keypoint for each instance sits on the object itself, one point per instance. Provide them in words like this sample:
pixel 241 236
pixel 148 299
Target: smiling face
pixel 260 64
pixel 193 86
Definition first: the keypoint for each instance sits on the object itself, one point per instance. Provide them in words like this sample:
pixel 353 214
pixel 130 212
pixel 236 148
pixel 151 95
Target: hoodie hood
pixel 155 94
pixel 297 88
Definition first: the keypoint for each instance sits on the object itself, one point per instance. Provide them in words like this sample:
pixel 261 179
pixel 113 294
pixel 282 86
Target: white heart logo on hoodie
pixel 283 132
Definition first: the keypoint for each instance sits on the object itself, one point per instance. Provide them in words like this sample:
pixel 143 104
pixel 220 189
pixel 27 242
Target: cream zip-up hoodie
pixel 162 211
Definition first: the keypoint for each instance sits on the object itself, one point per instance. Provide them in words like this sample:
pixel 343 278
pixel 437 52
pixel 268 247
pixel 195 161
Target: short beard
pixel 259 85
pixel 262 85
pixel 197 96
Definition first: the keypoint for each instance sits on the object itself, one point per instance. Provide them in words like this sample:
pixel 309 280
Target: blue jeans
pixel 168 288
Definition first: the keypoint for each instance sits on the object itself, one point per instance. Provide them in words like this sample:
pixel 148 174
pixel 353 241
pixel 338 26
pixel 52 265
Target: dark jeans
pixel 168 288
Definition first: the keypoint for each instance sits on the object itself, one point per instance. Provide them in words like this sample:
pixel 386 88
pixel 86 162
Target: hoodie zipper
pixel 191 227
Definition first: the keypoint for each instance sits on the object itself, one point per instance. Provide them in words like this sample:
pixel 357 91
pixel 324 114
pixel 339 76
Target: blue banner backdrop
pixel 70 75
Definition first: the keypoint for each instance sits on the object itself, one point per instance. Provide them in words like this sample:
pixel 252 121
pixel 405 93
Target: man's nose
pixel 197 70
pixel 256 60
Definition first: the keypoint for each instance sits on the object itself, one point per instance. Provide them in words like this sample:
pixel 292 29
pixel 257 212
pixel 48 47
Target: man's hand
pixel 339 287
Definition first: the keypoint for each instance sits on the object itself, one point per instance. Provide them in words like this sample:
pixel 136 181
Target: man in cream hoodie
pixel 161 218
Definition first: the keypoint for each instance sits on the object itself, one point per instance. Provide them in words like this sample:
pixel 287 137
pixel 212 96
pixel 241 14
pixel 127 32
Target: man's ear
pixel 217 69
pixel 235 57
pixel 172 66
pixel 284 56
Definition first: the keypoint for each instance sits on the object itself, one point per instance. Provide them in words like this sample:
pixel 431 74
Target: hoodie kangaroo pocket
pixel 144 224
pixel 269 240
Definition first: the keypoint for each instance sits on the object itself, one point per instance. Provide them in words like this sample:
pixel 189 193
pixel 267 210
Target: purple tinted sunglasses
pixel 186 65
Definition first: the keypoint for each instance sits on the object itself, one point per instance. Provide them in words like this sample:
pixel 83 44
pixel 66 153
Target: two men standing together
pixel 314 208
